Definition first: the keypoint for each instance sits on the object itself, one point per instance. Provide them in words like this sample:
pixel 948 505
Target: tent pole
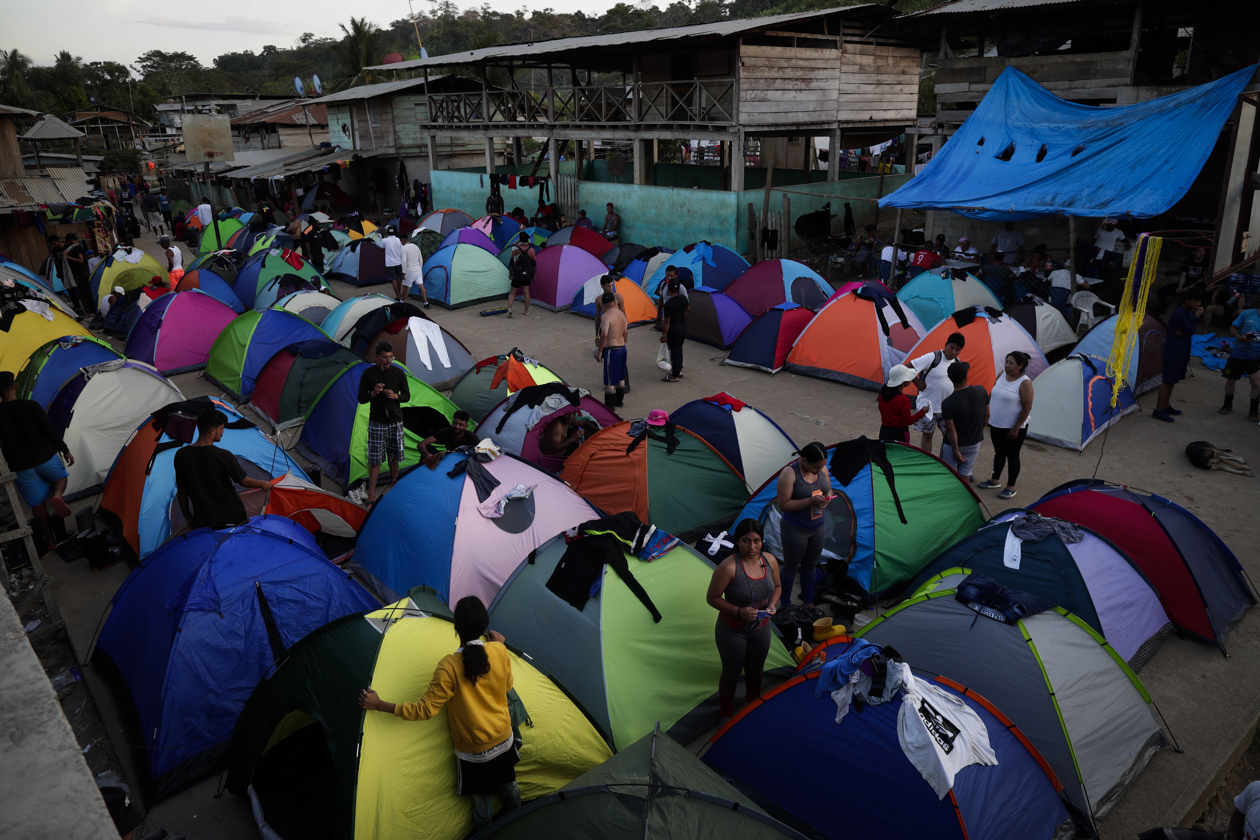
pixel 1071 261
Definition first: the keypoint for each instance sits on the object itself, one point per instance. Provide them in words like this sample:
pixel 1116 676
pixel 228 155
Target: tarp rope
pixel 1132 310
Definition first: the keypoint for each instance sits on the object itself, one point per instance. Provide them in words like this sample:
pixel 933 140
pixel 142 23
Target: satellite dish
pixel 297 84
pixel 392 58
pixel 319 88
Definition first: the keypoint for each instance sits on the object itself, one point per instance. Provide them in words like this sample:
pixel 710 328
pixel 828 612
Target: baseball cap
pixel 119 290
pixel 657 417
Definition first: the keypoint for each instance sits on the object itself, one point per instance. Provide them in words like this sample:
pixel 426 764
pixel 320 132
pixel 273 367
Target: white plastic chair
pixel 1087 304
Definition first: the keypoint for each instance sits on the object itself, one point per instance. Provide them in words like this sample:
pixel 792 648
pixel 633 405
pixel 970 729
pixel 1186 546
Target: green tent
pixel 248 343
pixel 652 790
pixel 626 670
pixel 208 242
pixel 428 241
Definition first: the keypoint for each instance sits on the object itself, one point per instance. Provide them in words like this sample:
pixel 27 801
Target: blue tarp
pixel 1135 160
pixel 1212 350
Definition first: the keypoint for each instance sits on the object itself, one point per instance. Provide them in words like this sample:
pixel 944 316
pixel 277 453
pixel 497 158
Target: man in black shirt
pixel 674 328
pixel 31 445
pixel 965 412
pixel 1194 271
pixel 384 387
pixel 204 474
pixel 450 439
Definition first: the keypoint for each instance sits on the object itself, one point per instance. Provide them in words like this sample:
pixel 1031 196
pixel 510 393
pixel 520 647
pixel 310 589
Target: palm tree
pixel 14 66
pixel 359 49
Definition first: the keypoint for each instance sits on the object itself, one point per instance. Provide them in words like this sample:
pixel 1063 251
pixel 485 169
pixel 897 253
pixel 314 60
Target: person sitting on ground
pixel 565 434
pixel 205 477
pixel 896 412
pixel 582 221
pixel 612 222
pixel 33 449
pixel 966 252
pixel 115 295
pixel 385 388
pixel 1244 359
pixel 966 413
pixel 450 438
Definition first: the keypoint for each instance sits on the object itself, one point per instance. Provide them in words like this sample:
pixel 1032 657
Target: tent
pixel 934 297
pixel 378 323
pixel 23 276
pixel 469 236
pixel 1073 404
pixel 517 424
pixel 249 342
pixel 1019 799
pixel 643 792
pixel 139 496
pixel 95 411
pixel 202 621
pixel 28 331
pixel 865 528
pixel 1080 705
pixel 314 765
pixel 325 191
pixel 619 257
pixel 340 323
pixel 561 271
pixel 1146 364
pixel 291 381
pixel 844 288
pixel 537 238
pixel 644 265
pixel 765 343
pixel 713 317
pixel 427 349
pixel 175 332
pixel 711 265
pixel 588 240
pixel 1047 156
pixel 1091 579
pixel 357 227
pixel 312 305
pixel 205 280
pixel 267 277
pixel 341 238
pixel 274 239
pixel 438 529
pixel 627 670
pixel 361 263
pixel 333 520
pixel 491 380
pixel 878 332
pixel 1200 582
pixel 990 336
pixel 750 441
pixel 502 231
pixel 1043 322
pixel 334 435
pixel 103 277
pixel 639 307
pixel 459 275
pixel 48 368
pixel 683 491
pixel 226 228
pixel 428 241
pixel 226 265
pixel 771 282
pixel 444 221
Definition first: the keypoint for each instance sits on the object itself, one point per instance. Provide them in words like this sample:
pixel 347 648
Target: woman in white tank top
pixel 1010 403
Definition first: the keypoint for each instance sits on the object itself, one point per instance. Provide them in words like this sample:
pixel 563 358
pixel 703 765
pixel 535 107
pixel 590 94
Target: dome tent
pixel 267 277
pixel 518 423
pixel 668 476
pixel 772 282
pixel 205 280
pixel 643 793
pixel 362 334
pixel 713 317
pixel 765 343
pixel 360 263
pixel 580 237
pixel 225 265
pixel 249 342
pixel 330 518
pixel 491 380
pixel 201 621
pixel 628 670
pixel 175 332
pixel 876 482
pixel 639 307
pixel 645 264
pixel 1019 799
pixel 1043 322
pixel 292 380
pixel 138 501
pixel 878 331
pixel 461 275
pixel 619 257
pixel 1200 582
pixel 537 238
pixel 48 368
pixel 335 434
pixel 1074 404
pixel 340 323
pixel 469 236
pixel 990 336
pixel 501 231
pixel 430 352
pixel 435 529
pixel 103 278
pixel 311 304
pixel 935 296
pixel 750 441
pixel 212 241
pixel 444 221
pixel 560 272
pixel 1090 578
pixel 1073 696
pixel 1146 364
pixel 711 265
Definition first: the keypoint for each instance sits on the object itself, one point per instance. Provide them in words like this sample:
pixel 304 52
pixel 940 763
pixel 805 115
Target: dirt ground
pixel 1139 452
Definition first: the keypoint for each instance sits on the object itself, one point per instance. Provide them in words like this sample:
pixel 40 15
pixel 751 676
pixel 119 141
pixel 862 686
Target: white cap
pixel 119 290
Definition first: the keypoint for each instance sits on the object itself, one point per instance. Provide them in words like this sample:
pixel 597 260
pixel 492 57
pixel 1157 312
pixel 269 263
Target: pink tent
pixel 561 271
pixel 176 331
pixel 848 287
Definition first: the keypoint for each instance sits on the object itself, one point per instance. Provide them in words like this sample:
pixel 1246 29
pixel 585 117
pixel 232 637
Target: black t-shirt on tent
pixel 206 475
pixel 675 310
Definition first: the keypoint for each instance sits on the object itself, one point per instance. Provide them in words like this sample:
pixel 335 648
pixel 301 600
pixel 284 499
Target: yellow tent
pixel 29 331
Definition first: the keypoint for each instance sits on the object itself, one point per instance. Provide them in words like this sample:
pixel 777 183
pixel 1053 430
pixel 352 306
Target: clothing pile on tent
pixel 934 296
pixel 713 317
pixel 311 304
pixel 176 331
pixel 249 342
pixel 580 237
pixel 749 440
pixel 1073 404
pixel 878 333
pixel 225 264
pixel 208 281
pixel 428 350
pixel 772 282
pixel 990 335
pixel 560 272
pixel 1199 580
pixel 715 266
pixel 1146 364
pixel 294 378
pixel 639 307
pixel 50 366
pixel 491 380
pixel 461 275
pixel 203 619
pixel 766 342
pixel 619 257
pixel 519 424
pixel 268 277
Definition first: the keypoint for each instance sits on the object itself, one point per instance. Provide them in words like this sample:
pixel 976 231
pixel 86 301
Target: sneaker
pixel 1173 411
pixel 989 485
pixel 1225 409
pixel 426 304
pixel 1162 415
pixel 1008 493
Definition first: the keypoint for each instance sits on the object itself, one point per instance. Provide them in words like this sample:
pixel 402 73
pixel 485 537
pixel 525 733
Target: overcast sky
pixel 120 30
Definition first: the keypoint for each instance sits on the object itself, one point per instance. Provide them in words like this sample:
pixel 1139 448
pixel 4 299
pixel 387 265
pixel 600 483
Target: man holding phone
pixel 1244 360
pixel 384 388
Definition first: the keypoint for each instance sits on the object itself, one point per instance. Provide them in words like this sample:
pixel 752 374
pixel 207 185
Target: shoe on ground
pixel 1173 411
pixel 1226 410
pixel 989 485
pixel 1008 493
pixel 426 304
pixel 59 507
pixel 1162 415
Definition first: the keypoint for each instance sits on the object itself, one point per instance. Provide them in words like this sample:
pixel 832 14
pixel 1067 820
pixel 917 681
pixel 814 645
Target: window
pixel 374 113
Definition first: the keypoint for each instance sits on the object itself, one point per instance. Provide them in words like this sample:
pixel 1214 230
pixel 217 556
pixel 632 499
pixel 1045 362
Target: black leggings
pixel 1005 449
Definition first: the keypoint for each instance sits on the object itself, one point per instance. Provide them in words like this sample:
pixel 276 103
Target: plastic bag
pixel 662 358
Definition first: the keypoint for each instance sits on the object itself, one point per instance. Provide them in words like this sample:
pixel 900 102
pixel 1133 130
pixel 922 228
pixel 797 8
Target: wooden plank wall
pixel 10 151
pixel 411 109
pixel 878 81
pixel 779 85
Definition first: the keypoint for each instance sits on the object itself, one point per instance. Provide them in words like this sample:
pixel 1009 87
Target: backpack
pixel 523 265
pixel 920 381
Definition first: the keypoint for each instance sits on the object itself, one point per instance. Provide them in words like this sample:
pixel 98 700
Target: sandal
pixel 667 379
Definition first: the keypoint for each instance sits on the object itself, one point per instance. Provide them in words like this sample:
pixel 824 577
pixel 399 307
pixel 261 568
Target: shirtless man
pixel 612 350
pixel 565 434
pixel 608 283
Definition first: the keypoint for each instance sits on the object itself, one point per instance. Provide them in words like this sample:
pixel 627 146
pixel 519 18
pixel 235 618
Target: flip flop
pixel 59 507
pixel 667 379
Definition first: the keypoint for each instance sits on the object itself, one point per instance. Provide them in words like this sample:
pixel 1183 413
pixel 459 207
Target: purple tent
pixel 714 317
pixel 469 236
pixel 176 331
pixel 562 269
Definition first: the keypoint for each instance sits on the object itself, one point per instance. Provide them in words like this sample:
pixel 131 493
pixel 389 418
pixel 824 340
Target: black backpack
pixel 523 265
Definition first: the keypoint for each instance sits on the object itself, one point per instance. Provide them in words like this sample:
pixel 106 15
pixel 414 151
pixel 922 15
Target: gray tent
pixel 1073 696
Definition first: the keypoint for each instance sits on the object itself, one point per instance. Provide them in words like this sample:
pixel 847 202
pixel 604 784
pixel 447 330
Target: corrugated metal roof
pixel 51 128
pixel 959 7
pixel 355 94
pixel 620 39
pixel 285 113
pixel 27 193
pixel 295 166
pixel 11 111
pixel 247 157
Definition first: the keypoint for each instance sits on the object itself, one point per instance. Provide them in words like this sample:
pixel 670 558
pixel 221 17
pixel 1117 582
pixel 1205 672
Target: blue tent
pixel 1025 153
pixel 1018 799
pixel 765 343
pixel 203 620
pixel 1146 363
pixel 361 263
pixel 54 364
pixel 710 265
pixel 754 444
pixel 212 284
pixel 934 296
pixel 256 284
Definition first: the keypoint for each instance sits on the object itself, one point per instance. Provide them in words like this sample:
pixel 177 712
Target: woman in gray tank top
pixel 744 590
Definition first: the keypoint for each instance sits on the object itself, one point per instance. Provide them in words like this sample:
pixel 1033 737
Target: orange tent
pixel 639 306
pixel 314 509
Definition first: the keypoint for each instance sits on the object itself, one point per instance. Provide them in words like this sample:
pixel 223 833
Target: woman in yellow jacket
pixel 472 683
